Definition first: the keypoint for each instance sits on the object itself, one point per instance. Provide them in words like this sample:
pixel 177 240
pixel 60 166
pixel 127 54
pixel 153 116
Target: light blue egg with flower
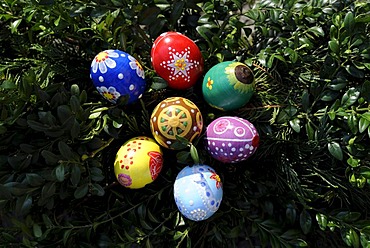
pixel 117 74
pixel 198 192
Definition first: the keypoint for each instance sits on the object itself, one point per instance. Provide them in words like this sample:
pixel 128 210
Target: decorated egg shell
pixel 175 116
pixel 177 59
pixel 115 74
pixel 228 85
pixel 198 192
pixel 138 162
pixel 231 139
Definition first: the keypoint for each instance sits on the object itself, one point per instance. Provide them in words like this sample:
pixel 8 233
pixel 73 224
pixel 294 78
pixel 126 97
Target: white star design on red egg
pixel 179 64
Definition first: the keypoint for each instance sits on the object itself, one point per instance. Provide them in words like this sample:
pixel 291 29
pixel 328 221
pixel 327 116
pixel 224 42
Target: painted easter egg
pixel 228 85
pixel 231 139
pixel 177 59
pixel 198 192
pixel 175 116
pixel 138 162
pixel 117 74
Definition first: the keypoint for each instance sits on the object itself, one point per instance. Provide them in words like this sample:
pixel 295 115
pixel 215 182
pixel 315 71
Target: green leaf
pixel 8 85
pixel 14 25
pixel 194 154
pixel 335 150
pixel 50 158
pixel 96 189
pixel 34 179
pixel 291 214
pixel 363 123
pixel 334 46
pixel 305 221
pixel 182 156
pixel 81 191
pixel 322 220
pixel 75 175
pixel 295 124
pixel 37 232
pixel 48 190
pixel 66 235
pixel 352 70
pixel 352 122
pixel 310 132
pixel 59 172
pixel 349 22
pixel 350 97
pixel 65 150
pixel 176 11
pixel 318 31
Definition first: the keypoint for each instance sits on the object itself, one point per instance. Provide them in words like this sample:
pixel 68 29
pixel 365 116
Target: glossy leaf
pixel 335 150
pixel 305 221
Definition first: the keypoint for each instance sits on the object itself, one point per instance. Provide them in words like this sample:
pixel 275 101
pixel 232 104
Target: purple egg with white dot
pixel 117 74
pixel 198 192
pixel 231 139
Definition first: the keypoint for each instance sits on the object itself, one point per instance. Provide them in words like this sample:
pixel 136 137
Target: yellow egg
pixel 138 162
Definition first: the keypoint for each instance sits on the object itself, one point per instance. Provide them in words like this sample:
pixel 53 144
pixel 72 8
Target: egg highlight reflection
pixel 175 116
pixel 177 59
pixel 228 85
pixel 117 74
pixel 138 162
pixel 231 139
pixel 198 192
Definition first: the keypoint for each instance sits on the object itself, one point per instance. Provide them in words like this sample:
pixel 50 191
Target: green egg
pixel 228 85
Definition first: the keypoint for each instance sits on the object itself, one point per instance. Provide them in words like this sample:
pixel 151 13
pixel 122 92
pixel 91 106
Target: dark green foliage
pixel 307 185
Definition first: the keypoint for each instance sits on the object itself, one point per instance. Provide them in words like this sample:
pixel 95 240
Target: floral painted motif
pixel 135 65
pixel 239 86
pixel 209 83
pixel 124 179
pixel 221 125
pixel 155 163
pixel 217 178
pixel 111 94
pixel 103 61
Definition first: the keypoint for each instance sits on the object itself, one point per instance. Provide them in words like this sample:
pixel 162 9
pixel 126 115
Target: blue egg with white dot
pixel 198 192
pixel 117 74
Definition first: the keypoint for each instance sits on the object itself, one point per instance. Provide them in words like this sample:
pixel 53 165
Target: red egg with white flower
pixel 177 59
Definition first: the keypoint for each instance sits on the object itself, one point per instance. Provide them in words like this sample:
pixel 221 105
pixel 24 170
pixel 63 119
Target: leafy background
pixel 307 184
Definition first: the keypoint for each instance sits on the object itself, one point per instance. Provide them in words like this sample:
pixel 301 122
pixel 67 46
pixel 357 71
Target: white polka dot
pixel 154 118
pixel 168 142
pixel 223 144
pixel 225 154
pixel 156 132
pixel 101 79
pixel 240 154
pixel 251 148
pixel 246 146
pixel 229 145
pixel 132 87
pixel 195 128
pixel 192 110
pixel 221 150
pixel 233 149
pixel 213 143
pixel 90 76
pixel 217 148
pixel 163 105
pixel 120 75
pixel 191 202
pixel 122 55
pixel 209 142
pixel 231 153
pixel 241 149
